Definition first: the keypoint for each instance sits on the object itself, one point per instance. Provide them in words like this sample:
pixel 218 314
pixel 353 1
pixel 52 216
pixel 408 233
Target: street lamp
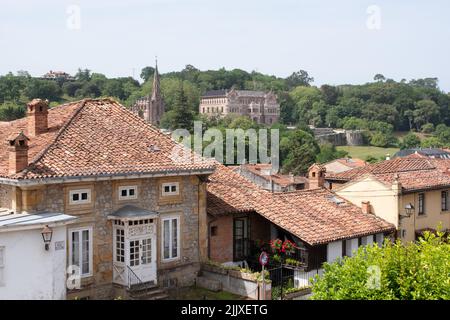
pixel 47 236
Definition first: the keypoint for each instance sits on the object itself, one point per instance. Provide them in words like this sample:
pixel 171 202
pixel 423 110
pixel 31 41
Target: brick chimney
pixel 316 176
pixel 365 207
pixel 37 117
pixel 18 153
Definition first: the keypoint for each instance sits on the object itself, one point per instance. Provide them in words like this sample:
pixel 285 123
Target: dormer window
pixel 127 192
pixel 82 196
pixel 170 189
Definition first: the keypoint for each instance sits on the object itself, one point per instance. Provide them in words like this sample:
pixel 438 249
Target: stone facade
pixel 190 206
pixel 260 106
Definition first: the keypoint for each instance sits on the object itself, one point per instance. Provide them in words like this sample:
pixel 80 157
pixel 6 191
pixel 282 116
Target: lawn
pixel 196 293
pixel 362 152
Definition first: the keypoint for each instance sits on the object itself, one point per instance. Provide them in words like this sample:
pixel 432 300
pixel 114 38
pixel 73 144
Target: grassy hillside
pixel 362 152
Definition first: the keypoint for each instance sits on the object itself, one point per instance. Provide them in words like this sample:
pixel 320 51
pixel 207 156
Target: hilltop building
pixel 260 106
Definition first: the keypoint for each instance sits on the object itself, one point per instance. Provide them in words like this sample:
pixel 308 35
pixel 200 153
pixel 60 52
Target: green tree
pixel 298 151
pixel 410 141
pixel 147 73
pixel 299 78
pixel 44 89
pixel 329 152
pixel 432 142
pixel 180 117
pixel 10 111
pixel 417 270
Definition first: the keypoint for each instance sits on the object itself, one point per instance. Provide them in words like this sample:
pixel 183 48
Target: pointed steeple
pixel 156 102
pixel 156 90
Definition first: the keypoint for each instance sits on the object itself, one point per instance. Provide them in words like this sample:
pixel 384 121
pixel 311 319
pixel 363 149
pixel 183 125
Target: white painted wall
pixel 30 271
pixel 352 246
pixel 334 251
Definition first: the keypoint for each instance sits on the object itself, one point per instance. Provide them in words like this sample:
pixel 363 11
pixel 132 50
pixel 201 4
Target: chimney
pixel 365 207
pixel 37 117
pixel 316 176
pixel 18 153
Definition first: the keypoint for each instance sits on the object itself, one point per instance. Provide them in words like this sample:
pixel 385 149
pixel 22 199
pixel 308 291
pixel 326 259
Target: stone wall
pixel 6 194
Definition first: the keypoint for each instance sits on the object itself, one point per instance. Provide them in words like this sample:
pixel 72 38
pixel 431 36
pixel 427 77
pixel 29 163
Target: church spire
pixel 156 90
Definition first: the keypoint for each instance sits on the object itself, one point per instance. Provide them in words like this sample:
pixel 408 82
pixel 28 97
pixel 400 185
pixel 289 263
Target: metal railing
pixel 133 279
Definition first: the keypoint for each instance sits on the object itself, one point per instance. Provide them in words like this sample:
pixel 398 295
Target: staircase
pixel 147 291
pixel 139 290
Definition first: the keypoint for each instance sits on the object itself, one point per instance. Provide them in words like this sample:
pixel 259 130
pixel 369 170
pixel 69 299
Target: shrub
pixel 419 270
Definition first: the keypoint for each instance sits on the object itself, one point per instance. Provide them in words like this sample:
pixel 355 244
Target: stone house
pixel 140 210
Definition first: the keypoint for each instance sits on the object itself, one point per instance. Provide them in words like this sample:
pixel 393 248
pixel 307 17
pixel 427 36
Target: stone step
pixel 154 293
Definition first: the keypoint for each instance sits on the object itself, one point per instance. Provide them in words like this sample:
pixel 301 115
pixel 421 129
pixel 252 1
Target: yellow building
pixel 412 193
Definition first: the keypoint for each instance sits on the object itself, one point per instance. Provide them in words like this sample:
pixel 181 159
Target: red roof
pixel 315 216
pixel 96 137
pixel 413 173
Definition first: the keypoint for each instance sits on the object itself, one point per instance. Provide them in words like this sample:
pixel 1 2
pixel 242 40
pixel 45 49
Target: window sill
pixel 420 216
pixel 445 212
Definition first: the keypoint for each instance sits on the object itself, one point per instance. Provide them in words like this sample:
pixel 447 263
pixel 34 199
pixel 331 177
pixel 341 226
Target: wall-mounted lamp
pixel 47 236
pixel 409 209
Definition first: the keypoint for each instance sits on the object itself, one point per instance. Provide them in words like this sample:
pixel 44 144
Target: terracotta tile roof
pixel 319 216
pixel 413 173
pixel 96 137
pixel 311 215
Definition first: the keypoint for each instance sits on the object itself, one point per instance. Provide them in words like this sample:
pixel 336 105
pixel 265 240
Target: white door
pixel 142 255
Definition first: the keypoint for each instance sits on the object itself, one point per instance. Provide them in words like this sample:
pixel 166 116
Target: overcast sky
pixel 337 42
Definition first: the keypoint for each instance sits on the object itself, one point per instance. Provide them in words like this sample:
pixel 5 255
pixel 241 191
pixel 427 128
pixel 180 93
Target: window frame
pixel 80 191
pixel 421 204
pixel 444 203
pixel 170 219
pixel 128 188
pixel 2 265
pixel 91 255
pixel 170 193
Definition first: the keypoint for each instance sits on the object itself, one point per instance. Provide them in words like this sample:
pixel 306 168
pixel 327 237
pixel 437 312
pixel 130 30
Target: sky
pixel 337 42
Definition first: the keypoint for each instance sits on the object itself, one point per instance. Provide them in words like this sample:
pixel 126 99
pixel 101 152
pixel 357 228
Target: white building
pixel 29 268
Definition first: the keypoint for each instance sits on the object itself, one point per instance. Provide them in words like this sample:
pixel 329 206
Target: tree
pixel 417 270
pixel 83 75
pixel 427 128
pixel 379 77
pixel 432 142
pixel 10 111
pixel 298 152
pixel 330 94
pixel 147 73
pixel 426 111
pixel 329 152
pixel 380 139
pixel 410 141
pixel 44 89
pixel 299 78
pixel 180 117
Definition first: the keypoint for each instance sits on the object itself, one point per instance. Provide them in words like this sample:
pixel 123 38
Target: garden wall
pixel 237 282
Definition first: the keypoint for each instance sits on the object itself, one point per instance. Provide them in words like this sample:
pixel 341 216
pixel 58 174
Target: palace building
pixel 260 106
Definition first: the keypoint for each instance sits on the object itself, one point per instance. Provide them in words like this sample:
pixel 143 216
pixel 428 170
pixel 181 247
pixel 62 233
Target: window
pixel 127 192
pixel 421 203
pixel 241 227
pixel 170 189
pixel 120 245
pixel 171 231
pixel 82 196
pixel 80 250
pixel 214 231
pixel 444 202
pixel 2 266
